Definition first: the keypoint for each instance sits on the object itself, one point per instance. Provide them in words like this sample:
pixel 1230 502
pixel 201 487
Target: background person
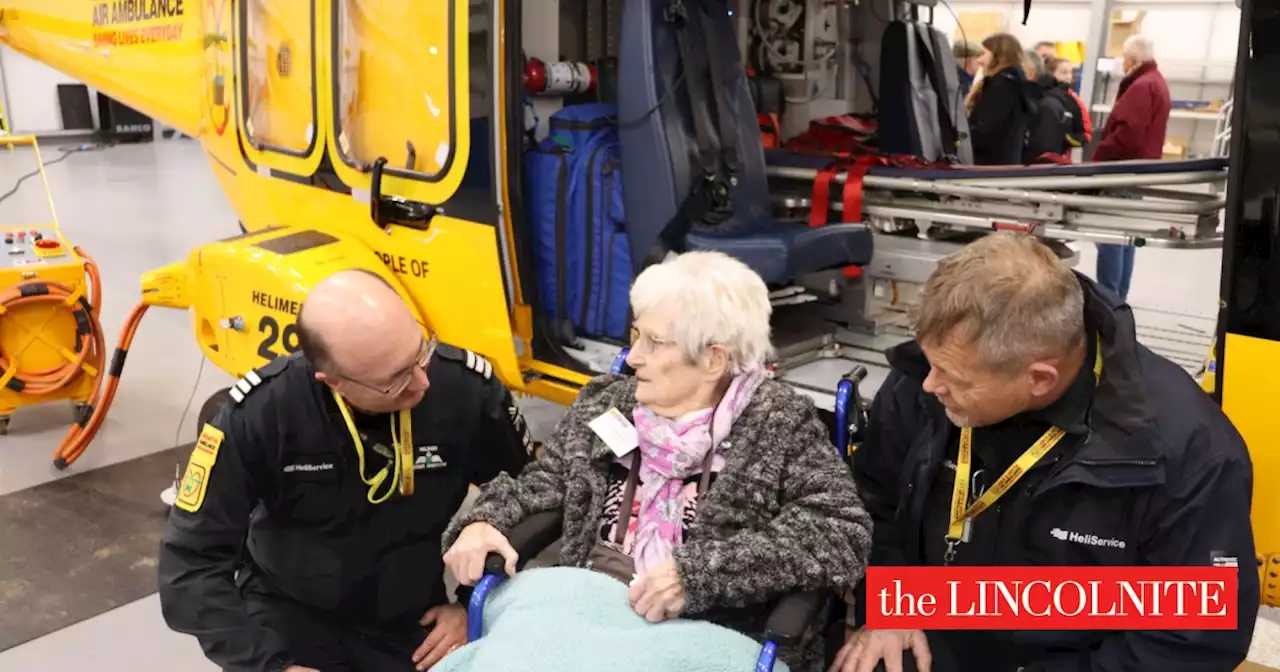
pixel 966 54
pixel 1135 129
pixel 779 513
pixel 997 104
pixel 328 579
pixel 1063 73
pixel 1010 343
pixel 1046 50
pixel 1046 120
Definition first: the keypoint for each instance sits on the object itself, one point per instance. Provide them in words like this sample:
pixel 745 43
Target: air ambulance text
pixel 129 11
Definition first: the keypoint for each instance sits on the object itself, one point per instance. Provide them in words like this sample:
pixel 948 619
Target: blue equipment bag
pixel 546 198
pixel 582 258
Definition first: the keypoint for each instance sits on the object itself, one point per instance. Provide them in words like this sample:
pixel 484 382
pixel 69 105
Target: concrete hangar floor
pixel 77 569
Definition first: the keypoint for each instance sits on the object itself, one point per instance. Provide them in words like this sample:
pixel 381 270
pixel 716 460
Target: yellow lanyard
pixel 960 493
pixel 402 446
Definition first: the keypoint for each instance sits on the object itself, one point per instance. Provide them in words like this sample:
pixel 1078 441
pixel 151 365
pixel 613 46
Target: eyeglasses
pixel 651 343
pixel 425 351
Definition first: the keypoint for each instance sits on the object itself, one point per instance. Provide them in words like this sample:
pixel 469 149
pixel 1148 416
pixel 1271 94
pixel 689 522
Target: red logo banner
pixel 1052 598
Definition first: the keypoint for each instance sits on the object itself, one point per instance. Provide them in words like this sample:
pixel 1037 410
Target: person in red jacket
pixel 1063 74
pixel 1135 130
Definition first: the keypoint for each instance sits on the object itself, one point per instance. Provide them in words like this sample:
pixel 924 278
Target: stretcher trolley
pixel 1175 204
pixel 920 214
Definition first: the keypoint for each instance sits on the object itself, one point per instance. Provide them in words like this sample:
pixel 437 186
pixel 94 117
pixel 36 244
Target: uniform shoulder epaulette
pixel 260 375
pixel 468 359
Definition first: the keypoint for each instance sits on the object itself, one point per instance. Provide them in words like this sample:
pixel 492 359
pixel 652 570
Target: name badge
pixel 616 431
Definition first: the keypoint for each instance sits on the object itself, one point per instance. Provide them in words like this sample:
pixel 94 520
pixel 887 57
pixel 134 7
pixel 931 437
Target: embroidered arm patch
pixel 196 481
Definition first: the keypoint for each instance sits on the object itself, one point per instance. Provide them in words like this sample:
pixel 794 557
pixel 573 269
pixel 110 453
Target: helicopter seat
pixel 694 170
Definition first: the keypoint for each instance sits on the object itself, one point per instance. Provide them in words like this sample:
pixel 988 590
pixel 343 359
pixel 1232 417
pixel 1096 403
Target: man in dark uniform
pixel 306 532
pixel 1020 361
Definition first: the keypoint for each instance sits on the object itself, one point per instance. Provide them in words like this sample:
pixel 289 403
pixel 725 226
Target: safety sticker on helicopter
pixel 196 481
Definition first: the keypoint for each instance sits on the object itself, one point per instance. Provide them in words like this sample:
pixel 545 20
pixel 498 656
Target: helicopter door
pixel 279 129
pixel 401 93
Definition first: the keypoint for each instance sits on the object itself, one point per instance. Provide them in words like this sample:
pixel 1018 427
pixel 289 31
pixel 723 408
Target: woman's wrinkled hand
pixel 465 558
pixel 657 595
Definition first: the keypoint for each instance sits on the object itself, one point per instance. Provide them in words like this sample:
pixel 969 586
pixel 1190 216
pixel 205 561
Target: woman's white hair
pixel 715 299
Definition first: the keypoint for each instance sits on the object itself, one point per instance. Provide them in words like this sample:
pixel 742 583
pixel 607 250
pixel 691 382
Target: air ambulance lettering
pixel 401 266
pixel 134 11
pixel 277 303
pixel 129 11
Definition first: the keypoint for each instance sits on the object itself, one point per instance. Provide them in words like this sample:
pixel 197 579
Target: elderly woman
pixel 725 484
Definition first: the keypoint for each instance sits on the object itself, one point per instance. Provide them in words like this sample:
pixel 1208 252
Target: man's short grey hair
pixel 963 49
pixel 1141 48
pixel 715 299
pixel 1007 295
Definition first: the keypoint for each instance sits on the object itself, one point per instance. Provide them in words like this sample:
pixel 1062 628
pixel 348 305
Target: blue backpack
pixel 581 255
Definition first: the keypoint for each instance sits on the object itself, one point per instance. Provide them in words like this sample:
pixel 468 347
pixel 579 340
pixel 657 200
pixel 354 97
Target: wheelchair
pixel 792 619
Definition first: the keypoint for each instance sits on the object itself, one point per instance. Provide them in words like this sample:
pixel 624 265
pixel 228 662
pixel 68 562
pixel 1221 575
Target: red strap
pixel 770 136
pixel 851 197
pixel 1019 228
pixel 1050 157
pixel 821 201
pixel 853 188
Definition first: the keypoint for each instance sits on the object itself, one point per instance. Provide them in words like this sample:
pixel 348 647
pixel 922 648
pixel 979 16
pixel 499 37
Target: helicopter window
pixel 278 61
pixel 395 84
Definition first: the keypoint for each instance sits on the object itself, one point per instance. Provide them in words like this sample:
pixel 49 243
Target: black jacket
pixel 284 501
pixel 1077 133
pixel 1158 467
pixel 1048 123
pixel 998 122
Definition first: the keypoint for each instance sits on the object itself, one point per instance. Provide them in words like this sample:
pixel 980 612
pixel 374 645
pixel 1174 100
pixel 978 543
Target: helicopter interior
pixel 841 283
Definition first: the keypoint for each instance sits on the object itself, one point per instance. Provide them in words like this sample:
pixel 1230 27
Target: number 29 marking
pixel 288 337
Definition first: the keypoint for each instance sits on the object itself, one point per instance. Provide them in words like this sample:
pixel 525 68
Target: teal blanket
pixel 561 619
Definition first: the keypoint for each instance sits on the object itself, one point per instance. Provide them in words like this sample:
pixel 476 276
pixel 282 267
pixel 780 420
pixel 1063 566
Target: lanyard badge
pixel 962 510
pixel 401 467
pixel 967 532
pixel 403 433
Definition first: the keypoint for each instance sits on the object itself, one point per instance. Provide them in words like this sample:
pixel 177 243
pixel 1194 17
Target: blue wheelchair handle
pixel 620 362
pixel 494 573
pixel 768 656
pixel 844 395
pixel 475 608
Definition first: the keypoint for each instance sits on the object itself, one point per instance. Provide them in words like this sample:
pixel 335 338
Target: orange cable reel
pixel 87 358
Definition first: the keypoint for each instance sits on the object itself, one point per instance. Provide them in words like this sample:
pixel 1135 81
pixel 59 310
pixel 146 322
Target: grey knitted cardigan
pixel 783 515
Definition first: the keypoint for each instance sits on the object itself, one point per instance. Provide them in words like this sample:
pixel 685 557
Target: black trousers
pixel 325 641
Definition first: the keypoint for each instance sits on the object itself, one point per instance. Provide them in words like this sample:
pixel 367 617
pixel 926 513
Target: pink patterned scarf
pixel 671 451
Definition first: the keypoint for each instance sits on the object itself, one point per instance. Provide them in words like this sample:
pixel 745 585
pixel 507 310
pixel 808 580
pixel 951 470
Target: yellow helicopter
pixel 294 114
pixel 343 133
